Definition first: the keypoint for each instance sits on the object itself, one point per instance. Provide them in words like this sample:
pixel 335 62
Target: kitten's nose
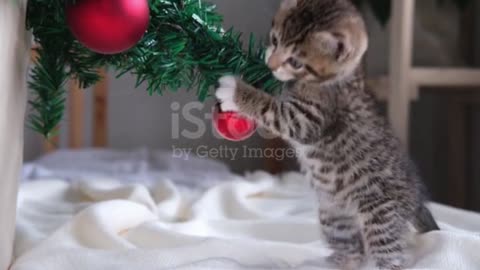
pixel 274 62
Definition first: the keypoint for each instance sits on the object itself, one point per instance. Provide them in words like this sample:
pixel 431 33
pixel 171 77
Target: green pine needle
pixel 47 83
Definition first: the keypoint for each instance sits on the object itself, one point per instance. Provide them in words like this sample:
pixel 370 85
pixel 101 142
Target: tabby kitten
pixel 366 186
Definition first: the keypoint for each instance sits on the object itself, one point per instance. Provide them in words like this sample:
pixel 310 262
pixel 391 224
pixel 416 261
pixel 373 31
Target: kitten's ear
pixel 334 44
pixel 289 4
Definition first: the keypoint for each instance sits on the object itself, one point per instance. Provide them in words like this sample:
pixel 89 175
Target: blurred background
pixel 444 124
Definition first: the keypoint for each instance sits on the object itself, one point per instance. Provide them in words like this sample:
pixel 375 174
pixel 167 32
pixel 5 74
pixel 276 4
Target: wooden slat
pixel 33 55
pixel 100 103
pixel 51 144
pixel 443 78
pixel 76 116
pixel 380 86
pixel 446 77
pixel 401 43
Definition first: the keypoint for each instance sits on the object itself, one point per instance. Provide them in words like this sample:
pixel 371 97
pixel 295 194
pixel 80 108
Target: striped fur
pixel 367 188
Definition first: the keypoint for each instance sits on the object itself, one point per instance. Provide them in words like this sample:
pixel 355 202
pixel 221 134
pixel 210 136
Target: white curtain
pixel 14 55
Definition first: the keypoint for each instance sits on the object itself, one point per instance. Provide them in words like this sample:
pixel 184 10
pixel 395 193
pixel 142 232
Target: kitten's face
pixel 316 40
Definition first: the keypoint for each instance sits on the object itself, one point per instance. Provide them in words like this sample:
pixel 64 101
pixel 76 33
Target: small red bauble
pixel 232 126
pixel 108 26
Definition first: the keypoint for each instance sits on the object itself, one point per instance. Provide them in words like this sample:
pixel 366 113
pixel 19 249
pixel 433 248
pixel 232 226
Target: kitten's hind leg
pixel 344 237
pixel 385 234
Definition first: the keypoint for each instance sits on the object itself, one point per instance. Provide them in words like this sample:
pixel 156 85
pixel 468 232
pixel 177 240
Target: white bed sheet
pixel 138 166
pixel 174 217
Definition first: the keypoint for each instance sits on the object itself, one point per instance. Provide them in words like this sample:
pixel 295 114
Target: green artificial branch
pixel 183 48
pixel 47 84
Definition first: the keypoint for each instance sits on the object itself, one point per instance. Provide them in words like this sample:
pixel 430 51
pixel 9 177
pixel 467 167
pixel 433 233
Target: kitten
pixel 367 188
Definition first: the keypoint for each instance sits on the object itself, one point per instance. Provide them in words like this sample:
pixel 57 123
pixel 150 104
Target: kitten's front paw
pixel 226 93
pixel 392 263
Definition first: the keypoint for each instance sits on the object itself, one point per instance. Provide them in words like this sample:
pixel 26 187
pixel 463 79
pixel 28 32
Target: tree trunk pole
pixel 14 58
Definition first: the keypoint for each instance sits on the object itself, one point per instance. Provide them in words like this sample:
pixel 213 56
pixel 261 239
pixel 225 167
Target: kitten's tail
pixel 424 221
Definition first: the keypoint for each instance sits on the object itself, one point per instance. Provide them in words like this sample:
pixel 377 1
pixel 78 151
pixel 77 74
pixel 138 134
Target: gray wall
pixel 138 120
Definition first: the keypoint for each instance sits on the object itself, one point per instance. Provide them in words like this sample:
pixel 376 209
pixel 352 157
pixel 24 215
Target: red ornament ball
pixel 108 26
pixel 232 126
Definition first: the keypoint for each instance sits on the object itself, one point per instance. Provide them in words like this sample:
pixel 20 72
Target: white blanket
pixel 253 222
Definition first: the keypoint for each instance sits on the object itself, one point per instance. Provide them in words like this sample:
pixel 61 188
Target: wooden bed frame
pixel 405 80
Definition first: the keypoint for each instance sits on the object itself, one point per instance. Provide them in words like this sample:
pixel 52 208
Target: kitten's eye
pixel 274 41
pixel 295 63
